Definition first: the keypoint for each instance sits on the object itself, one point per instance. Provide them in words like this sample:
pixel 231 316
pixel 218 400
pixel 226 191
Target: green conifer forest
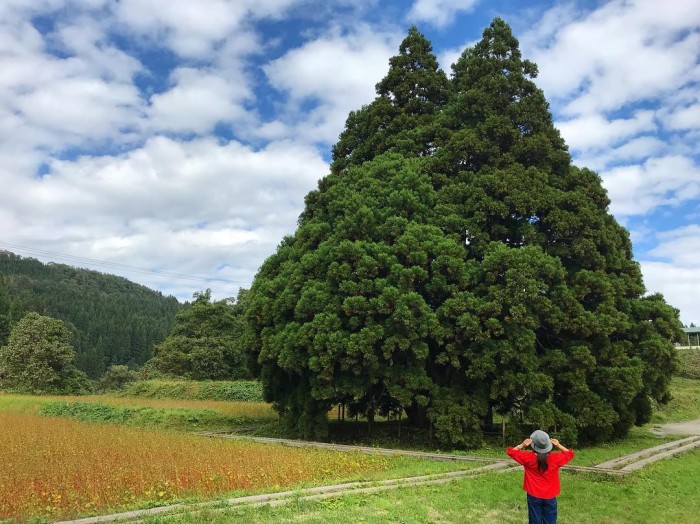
pixel 113 320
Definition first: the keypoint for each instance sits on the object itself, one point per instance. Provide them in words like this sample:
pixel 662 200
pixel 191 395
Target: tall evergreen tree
pixel 454 264
pixel 402 118
pixel 511 179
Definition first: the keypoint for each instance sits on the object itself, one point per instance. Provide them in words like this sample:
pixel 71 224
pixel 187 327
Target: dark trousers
pixel 542 511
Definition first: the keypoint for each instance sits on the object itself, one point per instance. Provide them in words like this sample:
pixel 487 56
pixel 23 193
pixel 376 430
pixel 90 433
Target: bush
pixel 238 390
pixel 115 378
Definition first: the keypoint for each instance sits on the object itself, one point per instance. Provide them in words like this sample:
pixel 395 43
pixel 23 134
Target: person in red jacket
pixel 541 482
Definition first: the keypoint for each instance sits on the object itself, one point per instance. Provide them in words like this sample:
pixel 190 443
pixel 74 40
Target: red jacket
pixel 544 485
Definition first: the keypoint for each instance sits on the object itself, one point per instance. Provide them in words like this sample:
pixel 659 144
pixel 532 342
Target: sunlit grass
pixel 685 404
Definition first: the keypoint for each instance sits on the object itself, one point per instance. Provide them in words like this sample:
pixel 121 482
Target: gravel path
pixel 691 427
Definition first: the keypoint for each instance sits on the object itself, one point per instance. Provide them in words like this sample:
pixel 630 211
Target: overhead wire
pixel 114 265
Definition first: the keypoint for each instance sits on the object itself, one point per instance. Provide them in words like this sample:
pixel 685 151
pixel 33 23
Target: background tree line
pixel 113 321
pixel 60 326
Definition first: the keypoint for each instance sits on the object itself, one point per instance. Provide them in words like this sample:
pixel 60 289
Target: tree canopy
pixel 38 358
pixel 455 264
pixel 203 343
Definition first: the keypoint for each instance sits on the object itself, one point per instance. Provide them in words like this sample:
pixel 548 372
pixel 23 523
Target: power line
pixel 116 265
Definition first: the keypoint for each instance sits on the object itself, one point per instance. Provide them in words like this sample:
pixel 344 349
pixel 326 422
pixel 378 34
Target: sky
pixel 172 142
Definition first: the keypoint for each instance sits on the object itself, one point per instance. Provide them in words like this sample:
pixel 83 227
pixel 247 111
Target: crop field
pixel 60 468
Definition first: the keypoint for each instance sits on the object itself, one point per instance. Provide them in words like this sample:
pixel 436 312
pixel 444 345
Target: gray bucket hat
pixel 540 442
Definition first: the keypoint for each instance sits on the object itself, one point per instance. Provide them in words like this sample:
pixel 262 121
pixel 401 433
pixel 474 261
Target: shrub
pixel 115 378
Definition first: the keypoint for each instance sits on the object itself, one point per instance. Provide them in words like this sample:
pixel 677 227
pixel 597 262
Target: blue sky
pixel 172 141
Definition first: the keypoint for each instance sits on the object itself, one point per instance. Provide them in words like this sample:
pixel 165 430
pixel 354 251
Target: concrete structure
pixel 692 336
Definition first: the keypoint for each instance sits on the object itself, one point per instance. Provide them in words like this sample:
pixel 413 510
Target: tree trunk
pixel 489 418
pixel 417 415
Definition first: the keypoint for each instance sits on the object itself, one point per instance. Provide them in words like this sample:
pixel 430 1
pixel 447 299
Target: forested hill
pixel 114 320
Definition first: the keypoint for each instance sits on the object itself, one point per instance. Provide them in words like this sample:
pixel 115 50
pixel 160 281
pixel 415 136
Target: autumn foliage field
pixel 61 468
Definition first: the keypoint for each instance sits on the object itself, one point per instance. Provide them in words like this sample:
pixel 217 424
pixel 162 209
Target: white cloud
pixel 86 108
pixel 622 78
pixel 680 245
pixel 674 267
pixel 679 284
pixel 194 29
pixel 638 189
pixel 682 118
pixel 189 206
pixel 636 150
pixel 198 101
pixel 209 180
pixel 50 102
pixel 191 29
pixel 86 39
pixel 438 12
pixel 594 131
pixel 620 53
pixel 310 74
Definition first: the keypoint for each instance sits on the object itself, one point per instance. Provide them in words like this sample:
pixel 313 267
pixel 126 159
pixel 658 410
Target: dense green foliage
pixel 204 342
pixel 113 320
pixel 455 264
pixel 115 378
pixel 38 358
pixel 234 391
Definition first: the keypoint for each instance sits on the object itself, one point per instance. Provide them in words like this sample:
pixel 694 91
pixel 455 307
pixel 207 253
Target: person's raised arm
pixel 525 443
pixel 556 444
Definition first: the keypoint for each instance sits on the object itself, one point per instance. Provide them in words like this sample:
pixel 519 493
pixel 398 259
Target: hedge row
pixel 238 390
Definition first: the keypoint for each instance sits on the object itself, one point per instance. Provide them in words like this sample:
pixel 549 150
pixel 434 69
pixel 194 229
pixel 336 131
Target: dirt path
pixel 445 457
pixel 691 427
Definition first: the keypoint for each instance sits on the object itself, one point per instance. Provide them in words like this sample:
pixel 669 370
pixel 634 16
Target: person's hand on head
pixel 555 442
pixel 527 442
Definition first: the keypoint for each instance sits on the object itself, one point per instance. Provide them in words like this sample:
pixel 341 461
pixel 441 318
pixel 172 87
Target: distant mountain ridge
pixel 114 320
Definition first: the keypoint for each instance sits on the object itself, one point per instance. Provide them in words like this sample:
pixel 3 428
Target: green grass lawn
pixel 685 404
